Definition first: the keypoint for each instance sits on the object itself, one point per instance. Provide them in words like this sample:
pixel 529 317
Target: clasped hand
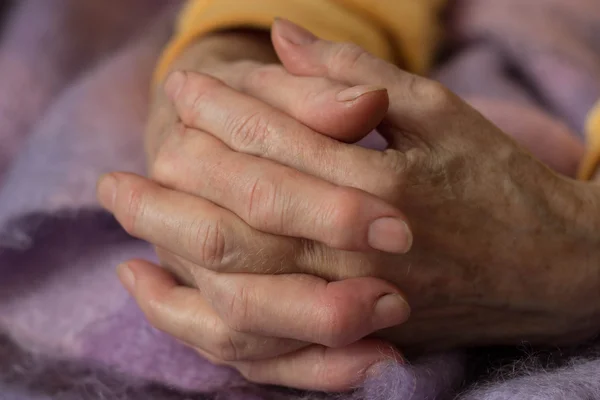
pixel 295 245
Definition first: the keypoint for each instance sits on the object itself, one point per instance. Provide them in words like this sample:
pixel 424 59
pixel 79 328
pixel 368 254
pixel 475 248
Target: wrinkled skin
pixel 502 247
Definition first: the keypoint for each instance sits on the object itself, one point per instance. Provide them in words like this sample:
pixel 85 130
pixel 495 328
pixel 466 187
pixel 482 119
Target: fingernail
pixel 126 277
pixel 107 191
pixel 391 235
pixel 355 92
pixel 390 310
pixel 174 84
pixel 293 33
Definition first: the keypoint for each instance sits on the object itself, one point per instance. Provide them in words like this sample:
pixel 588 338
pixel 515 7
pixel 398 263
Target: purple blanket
pixel 74 79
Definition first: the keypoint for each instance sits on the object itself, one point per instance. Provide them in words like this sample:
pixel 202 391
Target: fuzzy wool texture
pixel 74 90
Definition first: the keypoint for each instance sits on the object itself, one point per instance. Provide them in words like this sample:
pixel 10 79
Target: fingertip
pixel 292 56
pixel 391 235
pixel 153 290
pixel 390 310
pixel 146 274
pixel 106 190
pixel 292 33
pixel 126 277
pixel 367 305
pixel 174 83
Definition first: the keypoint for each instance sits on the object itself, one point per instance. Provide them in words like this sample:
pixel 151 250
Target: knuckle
pixel 247 132
pixel 435 96
pixel 208 237
pixel 347 56
pixel 197 90
pixel 336 326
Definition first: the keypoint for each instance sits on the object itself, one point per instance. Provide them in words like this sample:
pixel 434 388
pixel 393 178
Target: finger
pixel 412 98
pixel 193 228
pixel 304 54
pixel 337 314
pixel 248 125
pixel 307 308
pixel 184 313
pixel 334 109
pixel 277 199
pixel 321 368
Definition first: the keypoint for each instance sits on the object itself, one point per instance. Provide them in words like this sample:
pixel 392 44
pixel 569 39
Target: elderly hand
pixel 288 329
pixel 504 248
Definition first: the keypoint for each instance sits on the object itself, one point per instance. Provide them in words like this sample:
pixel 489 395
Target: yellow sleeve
pixel 401 31
pixel 592 158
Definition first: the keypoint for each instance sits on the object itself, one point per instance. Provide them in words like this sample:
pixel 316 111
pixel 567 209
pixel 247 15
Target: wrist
pixel 576 261
pixel 552 260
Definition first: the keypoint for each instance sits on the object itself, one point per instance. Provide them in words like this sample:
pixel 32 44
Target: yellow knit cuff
pixel 412 26
pixel 592 158
pixel 326 18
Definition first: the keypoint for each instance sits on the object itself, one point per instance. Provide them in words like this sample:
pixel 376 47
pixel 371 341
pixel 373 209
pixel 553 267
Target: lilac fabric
pixel 74 79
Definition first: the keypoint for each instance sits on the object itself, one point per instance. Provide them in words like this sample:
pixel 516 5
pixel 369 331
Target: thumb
pixel 412 98
pixel 304 54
